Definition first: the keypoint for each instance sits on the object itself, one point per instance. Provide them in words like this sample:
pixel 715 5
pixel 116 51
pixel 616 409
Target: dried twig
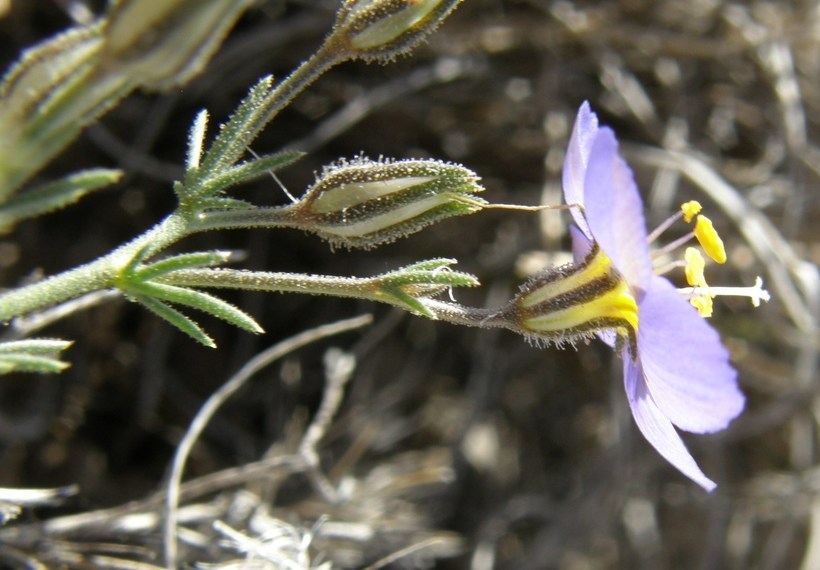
pixel 219 397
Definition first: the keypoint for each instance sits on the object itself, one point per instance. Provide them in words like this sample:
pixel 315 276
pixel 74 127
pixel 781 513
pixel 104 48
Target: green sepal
pixel 431 275
pixel 198 300
pixel 175 318
pixel 54 195
pixel 422 279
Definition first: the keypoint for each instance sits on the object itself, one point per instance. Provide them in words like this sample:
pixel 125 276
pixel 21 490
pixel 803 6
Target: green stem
pixel 454 313
pixel 350 287
pixel 102 273
pixel 331 53
pixel 368 288
pixel 273 217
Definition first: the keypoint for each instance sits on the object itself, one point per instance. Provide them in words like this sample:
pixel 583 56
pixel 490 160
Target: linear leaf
pixel 42 346
pixel 230 144
pixel 55 195
pixel 174 317
pixel 406 301
pixel 21 362
pixel 196 139
pixel 33 355
pixel 250 170
pixel 183 261
pixel 201 301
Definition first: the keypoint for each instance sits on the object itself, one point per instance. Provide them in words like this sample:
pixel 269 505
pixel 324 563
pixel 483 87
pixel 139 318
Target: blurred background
pixel 455 448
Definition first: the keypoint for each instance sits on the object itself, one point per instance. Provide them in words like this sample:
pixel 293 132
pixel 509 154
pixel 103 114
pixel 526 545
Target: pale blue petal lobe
pixel 581 245
pixel 614 210
pixel 657 429
pixel 576 159
pixel 686 366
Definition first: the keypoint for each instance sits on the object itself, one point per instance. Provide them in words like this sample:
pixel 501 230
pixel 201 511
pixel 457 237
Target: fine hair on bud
pixel 380 30
pixel 363 203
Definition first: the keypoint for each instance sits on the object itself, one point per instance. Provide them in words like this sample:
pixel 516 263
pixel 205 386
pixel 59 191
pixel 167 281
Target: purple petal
pixel 686 367
pixel 575 162
pixel 614 210
pixel 657 429
pixel 581 244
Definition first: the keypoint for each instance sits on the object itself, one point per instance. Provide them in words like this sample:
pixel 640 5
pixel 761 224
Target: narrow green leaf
pixel 55 195
pixel 175 318
pixel 430 264
pixel 33 355
pixel 132 267
pixel 250 170
pixel 40 346
pixel 196 139
pixel 406 301
pixel 20 362
pixel 201 301
pixel 230 144
pixel 183 261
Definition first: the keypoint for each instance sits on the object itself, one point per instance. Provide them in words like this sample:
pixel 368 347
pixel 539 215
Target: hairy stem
pixel 273 217
pixel 99 274
pixel 369 288
pixel 104 272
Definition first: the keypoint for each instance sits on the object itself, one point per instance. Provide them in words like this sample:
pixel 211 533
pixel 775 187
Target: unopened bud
pixel 163 44
pixel 45 68
pixel 365 203
pixel 381 29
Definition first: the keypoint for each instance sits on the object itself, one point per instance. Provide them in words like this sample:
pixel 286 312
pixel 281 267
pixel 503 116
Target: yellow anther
pixel 690 210
pixel 695 265
pixel 709 239
pixel 703 303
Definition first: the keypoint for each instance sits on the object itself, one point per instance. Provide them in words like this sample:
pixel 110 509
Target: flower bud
pixel 381 29
pixel 44 68
pixel 163 44
pixel 365 203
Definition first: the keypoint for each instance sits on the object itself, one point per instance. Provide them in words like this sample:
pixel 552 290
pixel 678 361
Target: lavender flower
pixel 676 371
